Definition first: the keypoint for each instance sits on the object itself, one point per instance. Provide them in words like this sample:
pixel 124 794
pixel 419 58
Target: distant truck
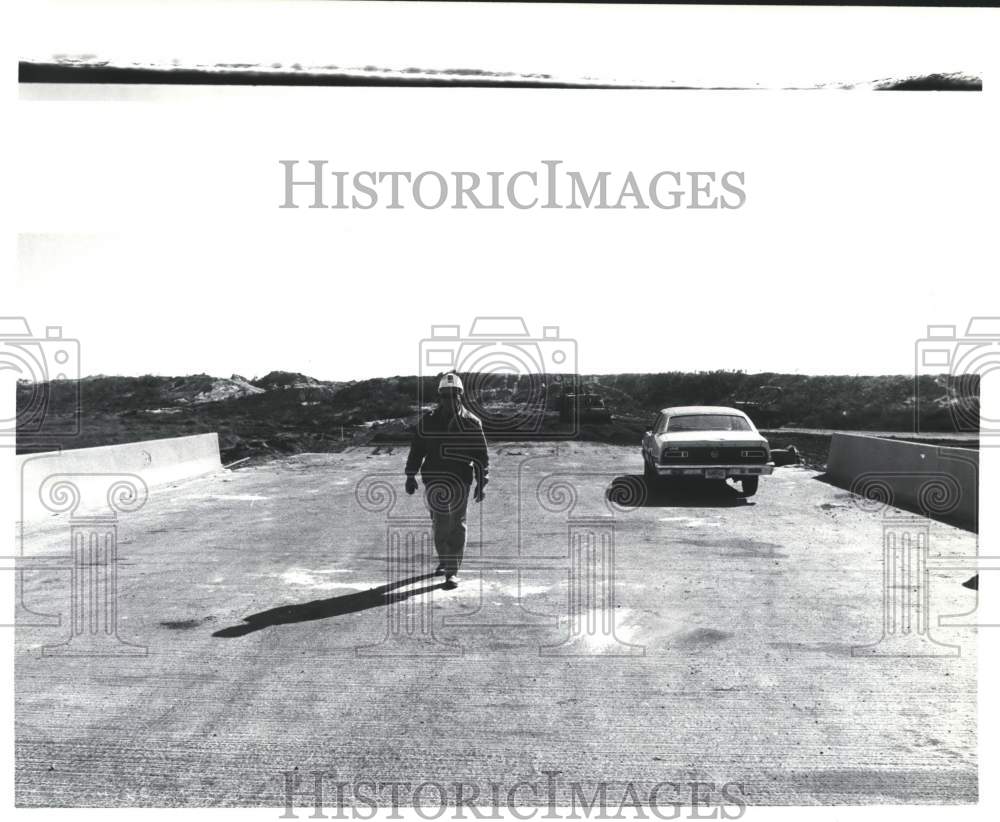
pixel 706 442
pixel 587 407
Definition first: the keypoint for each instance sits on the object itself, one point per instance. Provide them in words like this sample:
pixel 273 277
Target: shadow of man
pixel 331 607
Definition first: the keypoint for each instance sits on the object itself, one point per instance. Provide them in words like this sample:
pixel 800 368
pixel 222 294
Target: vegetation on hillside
pixel 285 412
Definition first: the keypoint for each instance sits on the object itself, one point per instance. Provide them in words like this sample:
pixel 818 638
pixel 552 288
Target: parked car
pixel 706 442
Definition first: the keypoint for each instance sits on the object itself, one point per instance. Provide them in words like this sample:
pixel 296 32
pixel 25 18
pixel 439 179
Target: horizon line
pixel 910 375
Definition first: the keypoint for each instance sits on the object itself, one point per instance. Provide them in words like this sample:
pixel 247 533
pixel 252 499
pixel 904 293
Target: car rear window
pixel 708 422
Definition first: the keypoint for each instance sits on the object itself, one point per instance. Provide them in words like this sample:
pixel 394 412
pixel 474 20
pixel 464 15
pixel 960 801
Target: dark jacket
pixel 455 447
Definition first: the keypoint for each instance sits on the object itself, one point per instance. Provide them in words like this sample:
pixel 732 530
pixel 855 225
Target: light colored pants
pixel 448 521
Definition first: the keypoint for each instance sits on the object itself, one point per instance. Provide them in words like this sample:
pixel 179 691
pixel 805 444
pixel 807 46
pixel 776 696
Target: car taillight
pixel 754 453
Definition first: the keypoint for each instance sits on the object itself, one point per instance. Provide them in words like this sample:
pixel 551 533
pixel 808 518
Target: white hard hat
pixel 450 381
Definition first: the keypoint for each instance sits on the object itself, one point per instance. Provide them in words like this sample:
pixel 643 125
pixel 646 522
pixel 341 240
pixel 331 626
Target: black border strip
pixel 29 72
pixel 52 73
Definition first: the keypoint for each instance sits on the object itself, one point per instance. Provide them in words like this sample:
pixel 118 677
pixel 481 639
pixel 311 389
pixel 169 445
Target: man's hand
pixel 411 485
pixel 480 493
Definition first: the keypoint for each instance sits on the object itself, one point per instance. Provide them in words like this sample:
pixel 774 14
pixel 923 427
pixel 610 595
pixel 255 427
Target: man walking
pixel 449 451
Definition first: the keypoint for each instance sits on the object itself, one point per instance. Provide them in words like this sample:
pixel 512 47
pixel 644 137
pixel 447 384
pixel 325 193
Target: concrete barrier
pixel 81 479
pixel 937 481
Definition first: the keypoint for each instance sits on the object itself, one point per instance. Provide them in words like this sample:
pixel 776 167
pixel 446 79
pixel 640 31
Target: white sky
pixel 150 228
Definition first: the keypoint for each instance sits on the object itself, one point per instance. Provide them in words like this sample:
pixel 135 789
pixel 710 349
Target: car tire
pixel 749 485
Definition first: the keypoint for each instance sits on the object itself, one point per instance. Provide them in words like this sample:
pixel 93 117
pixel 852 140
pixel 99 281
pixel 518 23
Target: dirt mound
pixel 193 390
pixel 233 388
pixel 285 380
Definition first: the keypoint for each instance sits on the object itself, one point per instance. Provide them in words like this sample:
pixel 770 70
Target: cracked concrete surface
pixel 728 658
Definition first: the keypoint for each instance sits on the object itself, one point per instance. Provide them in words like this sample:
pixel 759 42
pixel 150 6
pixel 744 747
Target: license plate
pixel 715 473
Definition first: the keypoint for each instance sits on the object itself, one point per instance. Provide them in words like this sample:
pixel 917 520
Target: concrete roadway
pixel 259 596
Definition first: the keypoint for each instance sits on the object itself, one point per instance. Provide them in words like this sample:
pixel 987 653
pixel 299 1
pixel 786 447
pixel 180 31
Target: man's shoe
pixel 439 570
pixel 450 582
